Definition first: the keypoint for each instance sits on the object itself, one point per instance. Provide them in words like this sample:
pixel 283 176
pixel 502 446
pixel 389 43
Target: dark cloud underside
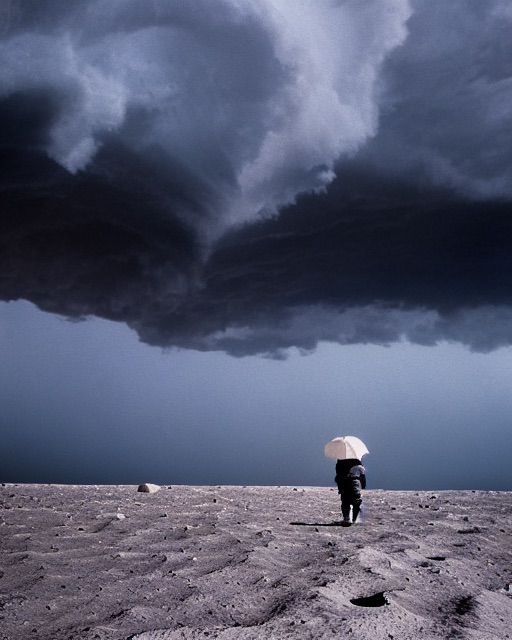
pixel 366 242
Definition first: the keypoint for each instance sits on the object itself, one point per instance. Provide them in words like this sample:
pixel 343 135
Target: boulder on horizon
pixel 148 488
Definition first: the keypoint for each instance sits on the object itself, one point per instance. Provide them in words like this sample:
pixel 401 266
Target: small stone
pixel 120 516
pixel 148 488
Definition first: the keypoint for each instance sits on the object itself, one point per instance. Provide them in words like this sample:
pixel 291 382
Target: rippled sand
pixel 252 562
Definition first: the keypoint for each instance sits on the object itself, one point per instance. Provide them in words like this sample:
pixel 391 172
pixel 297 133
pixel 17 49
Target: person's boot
pixel 355 514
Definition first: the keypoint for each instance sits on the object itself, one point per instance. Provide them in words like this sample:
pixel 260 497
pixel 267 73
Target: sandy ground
pixel 234 562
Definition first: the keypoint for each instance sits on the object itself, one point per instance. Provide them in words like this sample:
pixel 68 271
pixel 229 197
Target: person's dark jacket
pixel 350 475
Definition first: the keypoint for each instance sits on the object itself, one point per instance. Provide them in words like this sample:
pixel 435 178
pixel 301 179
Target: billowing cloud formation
pixel 134 133
pixel 256 98
pixel 371 260
pixel 447 106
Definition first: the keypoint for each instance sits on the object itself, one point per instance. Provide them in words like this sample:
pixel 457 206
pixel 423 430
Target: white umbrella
pixel 345 447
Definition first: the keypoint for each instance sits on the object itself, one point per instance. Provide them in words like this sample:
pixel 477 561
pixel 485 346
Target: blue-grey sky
pixel 307 204
pixel 88 402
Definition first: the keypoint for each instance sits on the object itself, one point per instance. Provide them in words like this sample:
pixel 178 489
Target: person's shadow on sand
pixel 336 523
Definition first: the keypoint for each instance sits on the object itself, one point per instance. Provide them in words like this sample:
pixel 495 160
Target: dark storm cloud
pixel 446 107
pixel 258 99
pixel 90 243
pixel 136 137
pixel 369 261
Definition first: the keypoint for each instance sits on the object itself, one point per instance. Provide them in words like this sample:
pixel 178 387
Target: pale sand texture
pixel 226 562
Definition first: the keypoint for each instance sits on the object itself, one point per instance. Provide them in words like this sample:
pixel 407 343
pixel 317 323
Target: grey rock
pixel 148 488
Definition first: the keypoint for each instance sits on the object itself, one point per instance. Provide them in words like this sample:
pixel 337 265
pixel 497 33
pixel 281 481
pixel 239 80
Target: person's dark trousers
pixel 350 497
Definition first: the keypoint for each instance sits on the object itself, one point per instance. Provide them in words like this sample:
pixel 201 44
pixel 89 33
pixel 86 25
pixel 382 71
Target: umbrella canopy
pixel 345 447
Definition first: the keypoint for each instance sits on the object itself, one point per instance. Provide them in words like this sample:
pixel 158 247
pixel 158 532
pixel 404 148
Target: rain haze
pixel 231 231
